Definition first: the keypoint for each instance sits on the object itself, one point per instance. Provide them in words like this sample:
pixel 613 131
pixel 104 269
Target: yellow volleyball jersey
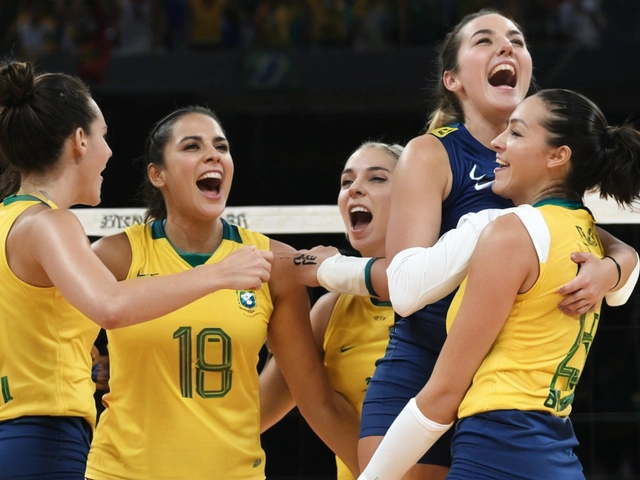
pixel 184 387
pixel 45 344
pixel 356 337
pixel 538 356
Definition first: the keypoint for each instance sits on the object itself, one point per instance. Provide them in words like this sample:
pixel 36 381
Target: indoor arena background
pixel 298 89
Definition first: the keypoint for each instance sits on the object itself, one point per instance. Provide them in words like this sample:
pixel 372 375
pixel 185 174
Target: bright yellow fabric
pixel 356 337
pixel 45 345
pixel 536 361
pixel 184 387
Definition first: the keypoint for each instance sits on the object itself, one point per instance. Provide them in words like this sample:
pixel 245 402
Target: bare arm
pixel 350 275
pixel 597 277
pixel 291 341
pixel 421 179
pixel 275 399
pixel 59 254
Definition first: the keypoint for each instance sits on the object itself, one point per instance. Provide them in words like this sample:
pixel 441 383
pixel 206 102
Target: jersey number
pixel 570 374
pixel 222 367
pixel 6 393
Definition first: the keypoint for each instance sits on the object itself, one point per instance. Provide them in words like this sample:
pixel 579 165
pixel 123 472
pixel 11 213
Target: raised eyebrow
pixel 488 31
pixel 368 169
pixel 199 138
pixel 518 120
pixel 376 168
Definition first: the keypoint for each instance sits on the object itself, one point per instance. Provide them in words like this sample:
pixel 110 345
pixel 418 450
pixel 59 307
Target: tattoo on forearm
pixel 305 259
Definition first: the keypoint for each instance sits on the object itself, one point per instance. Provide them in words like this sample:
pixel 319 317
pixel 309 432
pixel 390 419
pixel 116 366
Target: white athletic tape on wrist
pixel 411 434
pixel 349 275
pixel 620 296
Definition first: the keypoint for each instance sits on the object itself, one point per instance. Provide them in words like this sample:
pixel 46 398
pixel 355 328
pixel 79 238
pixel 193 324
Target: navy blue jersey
pixel 416 341
pixel 472 165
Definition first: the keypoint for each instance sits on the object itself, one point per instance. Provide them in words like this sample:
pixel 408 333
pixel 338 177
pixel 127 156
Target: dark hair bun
pixel 17 81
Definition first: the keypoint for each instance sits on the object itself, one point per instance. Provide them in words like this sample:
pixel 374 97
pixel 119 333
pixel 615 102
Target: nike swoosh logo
pixel 483 185
pixel 345 348
pixel 472 174
pixel 481 181
pixel 139 274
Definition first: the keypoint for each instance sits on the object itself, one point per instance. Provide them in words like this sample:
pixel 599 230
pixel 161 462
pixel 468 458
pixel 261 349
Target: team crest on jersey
pixel 247 299
pixel 588 237
pixel 443 131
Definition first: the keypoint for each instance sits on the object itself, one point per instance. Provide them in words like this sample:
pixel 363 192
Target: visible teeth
pixel 503 66
pixel 210 175
pixel 358 209
pixel 500 162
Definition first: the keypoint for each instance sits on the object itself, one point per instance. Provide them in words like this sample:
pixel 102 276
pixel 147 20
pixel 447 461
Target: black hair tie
pixel 606 139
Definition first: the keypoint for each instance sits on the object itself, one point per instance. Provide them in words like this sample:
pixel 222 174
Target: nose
pixel 213 155
pixel 498 143
pixel 505 48
pixel 355 189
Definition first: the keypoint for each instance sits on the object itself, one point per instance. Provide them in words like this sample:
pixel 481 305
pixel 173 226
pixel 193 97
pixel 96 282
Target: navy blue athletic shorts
pixel 51 448
pixel 398 377
pixel 514 444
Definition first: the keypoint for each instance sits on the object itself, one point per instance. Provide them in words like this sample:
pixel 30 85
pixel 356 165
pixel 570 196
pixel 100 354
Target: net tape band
pixel 300 219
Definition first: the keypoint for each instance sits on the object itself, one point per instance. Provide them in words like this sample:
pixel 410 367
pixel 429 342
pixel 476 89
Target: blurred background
pixel 298 85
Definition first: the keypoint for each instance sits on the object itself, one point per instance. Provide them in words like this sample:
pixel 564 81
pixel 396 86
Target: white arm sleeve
pixel 410 435
pixel 620 296
pixel 419 276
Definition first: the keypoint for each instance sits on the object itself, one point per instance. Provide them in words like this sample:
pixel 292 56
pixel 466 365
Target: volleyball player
pixel 351 331
pixel 183 400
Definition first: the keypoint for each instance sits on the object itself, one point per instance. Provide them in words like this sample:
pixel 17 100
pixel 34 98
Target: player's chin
pixel 498 187
pixel 95 199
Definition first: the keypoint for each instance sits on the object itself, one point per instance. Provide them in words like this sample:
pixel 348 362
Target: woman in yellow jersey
pixel 183 400
pixel 351 331
pixel 55 292
pixel 509 367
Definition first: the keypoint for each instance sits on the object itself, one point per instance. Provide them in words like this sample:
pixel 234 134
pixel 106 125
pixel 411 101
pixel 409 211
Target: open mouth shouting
pixel 210 182
pixel 360 217
pixel 503 75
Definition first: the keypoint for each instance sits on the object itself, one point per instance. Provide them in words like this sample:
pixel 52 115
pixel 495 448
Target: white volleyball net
pixel 300 219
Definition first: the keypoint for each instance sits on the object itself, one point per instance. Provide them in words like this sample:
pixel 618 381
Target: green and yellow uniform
pixel 356 337
pixel 184 387
pixel 45 345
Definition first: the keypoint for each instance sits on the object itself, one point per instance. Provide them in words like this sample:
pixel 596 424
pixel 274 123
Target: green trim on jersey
pixel 560 202
pixel 22 198
pixel 380 303
pixel 229 232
